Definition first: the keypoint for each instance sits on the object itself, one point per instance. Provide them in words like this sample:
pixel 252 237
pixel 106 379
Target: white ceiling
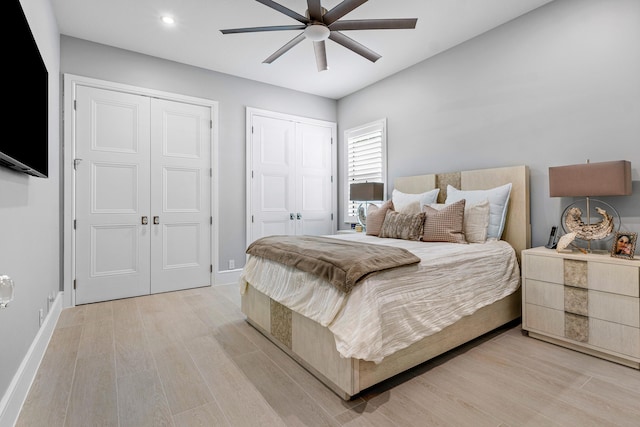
pixel 196 39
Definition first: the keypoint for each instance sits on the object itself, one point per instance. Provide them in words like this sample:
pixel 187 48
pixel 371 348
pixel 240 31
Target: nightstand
pixel 589 303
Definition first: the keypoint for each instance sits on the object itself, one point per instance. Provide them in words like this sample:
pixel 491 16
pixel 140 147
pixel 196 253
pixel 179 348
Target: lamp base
pixel 362 215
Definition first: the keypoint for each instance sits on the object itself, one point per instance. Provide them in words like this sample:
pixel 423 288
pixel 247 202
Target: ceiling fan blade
pixel 315 10
pixel 340 10
pixel 321 55
pixel 257 29
pixel 374 24
pixel 285 10
pixel 353 45
pixel 277 54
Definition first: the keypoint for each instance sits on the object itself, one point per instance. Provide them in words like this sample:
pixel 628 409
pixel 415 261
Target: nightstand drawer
pixel 544 319
pixel 544 268
pixel 614 308
pixel 615 337
pixel 603 276
pixel 545 294
pixel 617 279
pixel 607 336
pixel 600 305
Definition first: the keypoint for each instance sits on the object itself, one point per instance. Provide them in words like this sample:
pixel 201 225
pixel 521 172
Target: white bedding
pixel 391 310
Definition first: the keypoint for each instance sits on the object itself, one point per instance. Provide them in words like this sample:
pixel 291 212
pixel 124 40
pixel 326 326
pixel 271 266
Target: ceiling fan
pixel 320 24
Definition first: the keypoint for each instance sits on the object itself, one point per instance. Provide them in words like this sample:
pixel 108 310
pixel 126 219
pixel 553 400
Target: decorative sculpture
pixel 566 241
pixel 593 231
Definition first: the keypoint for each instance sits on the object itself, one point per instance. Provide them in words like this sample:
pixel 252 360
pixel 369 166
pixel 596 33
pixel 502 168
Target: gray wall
pixel 233 94
pixel 30 250
pixel 557 86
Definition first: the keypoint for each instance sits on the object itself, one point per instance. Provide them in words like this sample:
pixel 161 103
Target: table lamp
pixel 365 192
pixel 589 180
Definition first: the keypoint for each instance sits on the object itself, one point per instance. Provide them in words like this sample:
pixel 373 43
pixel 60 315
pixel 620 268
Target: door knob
pixel 145 220
pixel 156 220
pixel 292 216
pixel 299 216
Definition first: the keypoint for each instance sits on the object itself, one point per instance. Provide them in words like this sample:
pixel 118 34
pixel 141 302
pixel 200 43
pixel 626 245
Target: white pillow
pixel 476 220
pixel 401 200
pixel 498 202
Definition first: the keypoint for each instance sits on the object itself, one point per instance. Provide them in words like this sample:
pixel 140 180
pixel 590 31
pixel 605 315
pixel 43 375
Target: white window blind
pixel 366 159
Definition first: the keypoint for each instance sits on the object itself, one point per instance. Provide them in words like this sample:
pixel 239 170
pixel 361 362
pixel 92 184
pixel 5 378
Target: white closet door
pixel 273 174
pixel 142 195
pixel 112 180
pixel 180 194
pixel 313 176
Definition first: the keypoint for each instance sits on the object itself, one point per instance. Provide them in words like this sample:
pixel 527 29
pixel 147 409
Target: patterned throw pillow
pixel 444 225
pixel 402 226
pixel 375 217
pixel 476 220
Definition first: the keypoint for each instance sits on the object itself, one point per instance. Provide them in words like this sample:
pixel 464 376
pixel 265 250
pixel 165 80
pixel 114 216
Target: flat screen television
pixel 25 144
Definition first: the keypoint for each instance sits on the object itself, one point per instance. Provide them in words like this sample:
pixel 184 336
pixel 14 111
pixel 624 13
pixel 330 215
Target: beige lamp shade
pixel 366 191
pixel 591 179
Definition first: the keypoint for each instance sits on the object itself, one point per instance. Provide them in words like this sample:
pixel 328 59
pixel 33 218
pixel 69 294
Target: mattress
pixel 391 310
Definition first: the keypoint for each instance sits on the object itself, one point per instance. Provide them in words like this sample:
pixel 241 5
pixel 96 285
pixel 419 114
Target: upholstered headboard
pixel 517 229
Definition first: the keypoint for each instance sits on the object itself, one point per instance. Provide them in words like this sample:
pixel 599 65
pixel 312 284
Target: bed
pixel 328 341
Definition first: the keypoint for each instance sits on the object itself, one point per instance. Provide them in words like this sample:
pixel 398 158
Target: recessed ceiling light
pixel 168 20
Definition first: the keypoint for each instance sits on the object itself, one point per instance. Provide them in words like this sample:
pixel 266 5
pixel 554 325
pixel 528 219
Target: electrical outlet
pixel 41 316
pixel 50 300
pixel 232 264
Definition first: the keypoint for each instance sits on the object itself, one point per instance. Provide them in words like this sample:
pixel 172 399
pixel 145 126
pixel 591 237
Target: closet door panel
pixel 112 181
pixel 180 194
pixel 314 173
pixel 273 173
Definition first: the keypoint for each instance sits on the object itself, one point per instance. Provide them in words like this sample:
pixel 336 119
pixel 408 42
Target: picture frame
pixel 624 245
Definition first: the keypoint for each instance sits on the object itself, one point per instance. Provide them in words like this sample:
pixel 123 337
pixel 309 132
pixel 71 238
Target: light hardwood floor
pixel 188 358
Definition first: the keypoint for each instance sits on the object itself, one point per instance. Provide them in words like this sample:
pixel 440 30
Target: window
pixel 366 155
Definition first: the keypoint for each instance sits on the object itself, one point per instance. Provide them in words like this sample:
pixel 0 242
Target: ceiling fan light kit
pixel 320 24
pixel 317 32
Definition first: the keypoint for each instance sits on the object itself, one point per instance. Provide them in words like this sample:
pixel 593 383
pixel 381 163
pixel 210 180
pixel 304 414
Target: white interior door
pixel 142 195
pixel 112 197
pixel 291 189
pixel 272 177
pixel 313 175
pixel 180 189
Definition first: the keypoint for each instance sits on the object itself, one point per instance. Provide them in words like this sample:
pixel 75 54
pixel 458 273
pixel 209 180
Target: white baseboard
pixel 16 394
pixel 227 277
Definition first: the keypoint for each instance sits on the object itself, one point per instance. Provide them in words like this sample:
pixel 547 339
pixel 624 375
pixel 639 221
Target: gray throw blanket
pixel 341 262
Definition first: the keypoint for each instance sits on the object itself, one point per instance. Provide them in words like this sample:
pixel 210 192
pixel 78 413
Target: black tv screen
pixel 25 145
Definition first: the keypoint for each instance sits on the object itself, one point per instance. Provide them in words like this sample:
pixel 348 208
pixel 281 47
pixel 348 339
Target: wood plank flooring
pixel 188 358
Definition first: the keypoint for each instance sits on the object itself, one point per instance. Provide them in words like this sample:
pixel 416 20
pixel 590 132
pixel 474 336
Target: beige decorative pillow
pixel 411 208
pixel 375 217
pixel 445 225
pixel 402 226
pixel 476 220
